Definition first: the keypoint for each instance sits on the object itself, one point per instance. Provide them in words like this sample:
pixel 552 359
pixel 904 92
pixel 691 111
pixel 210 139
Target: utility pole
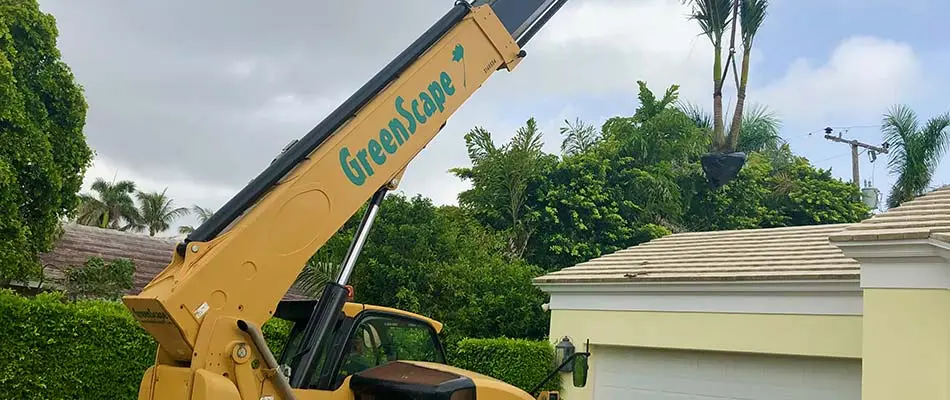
pixel 855 174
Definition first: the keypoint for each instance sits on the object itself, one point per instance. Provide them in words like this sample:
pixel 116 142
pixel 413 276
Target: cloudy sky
pixel 198 97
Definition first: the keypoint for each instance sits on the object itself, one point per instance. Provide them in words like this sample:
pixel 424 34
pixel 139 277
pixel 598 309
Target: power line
pixel 855 160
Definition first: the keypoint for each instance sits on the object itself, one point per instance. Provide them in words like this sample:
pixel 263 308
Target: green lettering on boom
pixel 390 139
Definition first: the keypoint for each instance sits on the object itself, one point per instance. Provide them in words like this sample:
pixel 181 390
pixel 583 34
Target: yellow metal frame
pixel 192 307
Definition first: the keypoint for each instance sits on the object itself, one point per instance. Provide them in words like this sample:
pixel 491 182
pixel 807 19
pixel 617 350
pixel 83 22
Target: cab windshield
pixel 372 339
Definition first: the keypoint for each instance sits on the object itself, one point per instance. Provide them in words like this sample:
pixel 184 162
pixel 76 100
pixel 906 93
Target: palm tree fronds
pixel 700 117
pixel 751 15
pixel 578 137
pixel 759 130
pixel 914 151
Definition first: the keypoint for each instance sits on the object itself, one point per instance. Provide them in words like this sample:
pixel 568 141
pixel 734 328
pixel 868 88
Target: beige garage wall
pixel 803 335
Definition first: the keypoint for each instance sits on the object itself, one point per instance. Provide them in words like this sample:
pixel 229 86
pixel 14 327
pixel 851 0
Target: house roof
pixel 925 217
pixel 788 253
pixel 151 254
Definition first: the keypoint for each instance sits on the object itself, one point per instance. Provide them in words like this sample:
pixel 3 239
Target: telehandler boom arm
pixel 226 278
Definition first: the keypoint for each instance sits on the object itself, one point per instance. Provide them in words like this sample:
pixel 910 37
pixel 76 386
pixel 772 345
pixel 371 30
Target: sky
pixel 199 97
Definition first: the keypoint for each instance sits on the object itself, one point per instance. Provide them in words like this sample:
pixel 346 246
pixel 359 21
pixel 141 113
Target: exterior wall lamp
pixel 562 351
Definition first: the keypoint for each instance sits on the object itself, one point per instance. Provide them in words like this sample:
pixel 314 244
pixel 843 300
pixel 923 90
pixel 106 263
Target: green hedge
pixel 81 350
pixel 89 349
pixel 52 348
pixel 522 363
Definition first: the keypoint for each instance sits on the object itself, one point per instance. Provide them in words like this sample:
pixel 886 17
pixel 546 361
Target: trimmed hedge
pixel 51 348
pixel 519 362
pixel 81 350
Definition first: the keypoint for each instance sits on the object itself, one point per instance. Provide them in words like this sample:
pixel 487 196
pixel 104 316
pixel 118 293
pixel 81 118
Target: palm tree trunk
pixel 718 75
pixel 734 129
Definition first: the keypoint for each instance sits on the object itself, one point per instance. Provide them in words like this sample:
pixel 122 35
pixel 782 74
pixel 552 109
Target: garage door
pixel 642 374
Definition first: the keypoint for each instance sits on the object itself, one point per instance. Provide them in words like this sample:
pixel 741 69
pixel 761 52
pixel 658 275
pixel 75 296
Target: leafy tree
pixel 98 279
pixel 914 151
pixel 643 178
pixel 157 212
pixel 111 206
pixel 204 214
pixel 621 191
pixel 43 152
pixel 440 262
pixel 503 177
pixel 772 191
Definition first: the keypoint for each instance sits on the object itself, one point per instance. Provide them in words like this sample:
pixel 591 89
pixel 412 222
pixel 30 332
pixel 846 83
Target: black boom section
pixel 299 151
pixel 523 18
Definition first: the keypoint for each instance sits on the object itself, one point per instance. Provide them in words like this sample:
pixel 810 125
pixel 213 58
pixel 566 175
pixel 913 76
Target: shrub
pixel 56 349
pixel 98 279
pixel 86 349
pixel 519 362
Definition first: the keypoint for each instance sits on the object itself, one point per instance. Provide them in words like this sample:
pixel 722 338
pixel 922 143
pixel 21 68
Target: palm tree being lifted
pixel 723 162
pixel 758 130
pixel 914 151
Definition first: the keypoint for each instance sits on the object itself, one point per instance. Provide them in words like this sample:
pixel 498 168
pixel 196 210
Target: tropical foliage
pixel 714 18
pixel 110 207
pixel 203 215
pixel 641 178
pixel 631 179
pixel 113 207
pixel 43 152
pixel 914 150
pixel 157 212
pixel 441 262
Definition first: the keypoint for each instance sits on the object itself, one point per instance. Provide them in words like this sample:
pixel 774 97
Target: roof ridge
pixel 814 227
pixel 89 228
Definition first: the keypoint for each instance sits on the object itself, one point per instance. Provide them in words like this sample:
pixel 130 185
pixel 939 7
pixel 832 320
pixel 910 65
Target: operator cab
pixel 364 337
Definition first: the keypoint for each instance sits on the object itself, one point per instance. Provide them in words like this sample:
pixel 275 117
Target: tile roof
pixel 150 254
pixel 788 253
pixel 926 217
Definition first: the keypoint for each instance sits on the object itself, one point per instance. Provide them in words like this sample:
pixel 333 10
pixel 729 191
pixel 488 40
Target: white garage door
pixel 642 374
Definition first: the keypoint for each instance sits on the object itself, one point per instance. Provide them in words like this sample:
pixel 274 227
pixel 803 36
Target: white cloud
pixel 604 47
pixel 296 109
pixel 862 77
pixel 593 49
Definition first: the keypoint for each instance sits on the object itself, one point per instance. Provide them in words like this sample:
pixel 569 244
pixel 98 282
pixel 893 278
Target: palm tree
pixel 315 275
pixel 751 15
pixel 723 163
pixel 502 174
pixel 157 212
pixel 759 130
pixel 203 215
pixel 914 151
pixel 578 137
pixel 113 208
pixel 713 17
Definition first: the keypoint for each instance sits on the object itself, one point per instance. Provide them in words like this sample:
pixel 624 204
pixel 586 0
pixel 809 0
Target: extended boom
pixel 226 279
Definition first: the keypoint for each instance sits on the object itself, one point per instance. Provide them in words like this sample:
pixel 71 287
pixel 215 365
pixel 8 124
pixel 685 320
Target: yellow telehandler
pixel 227 278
